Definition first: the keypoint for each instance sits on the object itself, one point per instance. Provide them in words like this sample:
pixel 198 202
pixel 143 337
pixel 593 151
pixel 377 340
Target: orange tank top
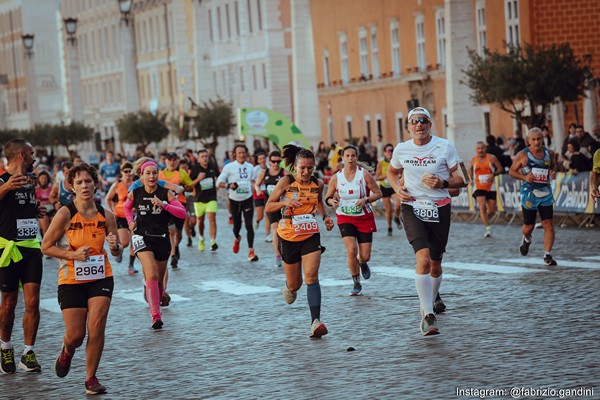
pixel 175 179
pixel 484 174
pixel 300 223
pixel 122 197
pixel 84 232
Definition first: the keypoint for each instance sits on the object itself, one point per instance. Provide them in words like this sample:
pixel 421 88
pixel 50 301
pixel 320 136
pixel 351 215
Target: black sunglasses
pixel 126 171
pixel 276 161
pixel 423 120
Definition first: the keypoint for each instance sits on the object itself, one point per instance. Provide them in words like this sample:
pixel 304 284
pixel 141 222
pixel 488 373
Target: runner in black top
pixel 204 177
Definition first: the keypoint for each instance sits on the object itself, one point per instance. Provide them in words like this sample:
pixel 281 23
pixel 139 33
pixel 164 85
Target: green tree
pixel 534 75
pixel 214 119
pixel 142 128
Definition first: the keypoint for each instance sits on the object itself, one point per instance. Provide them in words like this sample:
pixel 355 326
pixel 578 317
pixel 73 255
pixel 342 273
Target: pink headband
pixel 148 164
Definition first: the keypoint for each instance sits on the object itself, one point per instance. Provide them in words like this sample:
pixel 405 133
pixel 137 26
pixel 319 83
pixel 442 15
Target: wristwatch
pixel 445 184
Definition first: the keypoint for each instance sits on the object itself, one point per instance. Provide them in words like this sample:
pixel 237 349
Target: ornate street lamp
pixel 71 28
pixel 125 8
pixel 28 44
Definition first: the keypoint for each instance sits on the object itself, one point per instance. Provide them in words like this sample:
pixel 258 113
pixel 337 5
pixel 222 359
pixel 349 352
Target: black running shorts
pixel 28 270
pixel 77 295
pixel 427 235
pixel 292 252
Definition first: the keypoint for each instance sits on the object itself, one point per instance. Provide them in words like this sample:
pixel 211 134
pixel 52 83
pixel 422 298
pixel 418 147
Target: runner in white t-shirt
pixel 237 178
pixel 429 166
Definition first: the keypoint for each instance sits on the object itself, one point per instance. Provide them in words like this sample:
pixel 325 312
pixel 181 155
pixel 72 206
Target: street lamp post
pixel 130 84
pixel 32 100
pixel 74 73
pixel 125 8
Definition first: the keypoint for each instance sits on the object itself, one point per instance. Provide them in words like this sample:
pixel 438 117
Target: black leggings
pixel 245 207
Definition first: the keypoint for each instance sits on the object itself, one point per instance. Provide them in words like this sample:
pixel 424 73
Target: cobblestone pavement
pixel 511 321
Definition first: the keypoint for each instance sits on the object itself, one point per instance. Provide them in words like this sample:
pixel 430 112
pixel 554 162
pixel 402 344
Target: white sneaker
pixel 488 233
pixel 269 238
pixel 317 329
pixel 288 295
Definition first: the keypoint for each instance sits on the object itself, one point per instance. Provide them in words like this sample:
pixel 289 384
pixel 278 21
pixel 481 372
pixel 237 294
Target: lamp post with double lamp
pixel 130 85
pixel 74 73
pixel 32 100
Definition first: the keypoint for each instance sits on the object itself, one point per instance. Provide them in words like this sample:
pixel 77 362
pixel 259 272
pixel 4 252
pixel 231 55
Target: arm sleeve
pixel 176 209
pixel 128 209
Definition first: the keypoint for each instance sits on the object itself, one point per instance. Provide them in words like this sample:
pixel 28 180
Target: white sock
pixel 5 345
pixel 436 283
pixel 424 286
pixel 27 348
pixel 201 237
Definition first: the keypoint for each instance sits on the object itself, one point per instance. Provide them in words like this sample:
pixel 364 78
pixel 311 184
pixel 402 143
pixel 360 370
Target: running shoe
pixel 398 222
pixel 524 248
pixel 429 325
pixel 356 290
pixel 131 270
pixel 230 222
pixel 390 231
pixel 165 299
pixel 438 305
pixel 174 262
pixel 278 262
pixel 252 256
pixel 119 258
pixel 255 225
pixel 157 323
pixel 63 363
pixel 213 246
pixel 364 269
pixel 236 245
pixel 189 242
pixel 317 329
pixel 548 260
pixel 7 361
pixel 92 386
pixel 29 362
pixel 269 238
pixel 288 295
pixel 177 253
pixel 488 233
pixel 201 245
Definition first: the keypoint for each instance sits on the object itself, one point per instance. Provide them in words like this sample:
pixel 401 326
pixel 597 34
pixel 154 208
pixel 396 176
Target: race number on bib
pixel 304 224
pixel 90 270
pixel 243 187
pixel 207 183
pixel 485 178
pixel 27 229
pixel 540 175
pixel 349 207
pixel 426 211
pixel 137 241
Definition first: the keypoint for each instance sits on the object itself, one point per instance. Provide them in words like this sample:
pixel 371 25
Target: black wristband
pixel 327 201
pixel 446 184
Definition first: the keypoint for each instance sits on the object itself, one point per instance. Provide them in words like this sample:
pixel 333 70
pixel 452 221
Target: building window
pixel 349 127
pixel 395 41
pixel 363 50
pixel 344 58
pixel 511 13
pixel 249 17
pixel 487 123
pixel 368 128
pixel 215 83
pixel 237 18
pixel 254 77
pixel 440 29
pixel 210 26
pixel 264 74
pixel 374 52
pixel 219 23
pixel 379 126
pixel 258 11
pixel 227 21
pixel 481 27
pixel 242 86
pixel 420 30
pixel 326 76
pixel 399 128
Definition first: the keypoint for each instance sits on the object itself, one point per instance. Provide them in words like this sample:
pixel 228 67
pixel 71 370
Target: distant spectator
pixel 493 149
pixel 571 136
pixel 548 142
pixel 577 161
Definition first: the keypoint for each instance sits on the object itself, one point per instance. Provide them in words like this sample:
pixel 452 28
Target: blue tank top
pixel 540 169
pixel 64 196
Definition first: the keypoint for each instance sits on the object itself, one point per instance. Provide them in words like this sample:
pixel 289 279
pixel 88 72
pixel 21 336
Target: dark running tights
pixel 243 208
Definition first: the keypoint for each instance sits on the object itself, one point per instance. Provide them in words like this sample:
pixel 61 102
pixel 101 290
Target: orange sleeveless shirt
pixel 122 197
pixel 484 175
pixel 300 223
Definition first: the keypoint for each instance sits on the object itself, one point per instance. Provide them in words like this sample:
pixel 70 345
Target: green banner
pixel 271 125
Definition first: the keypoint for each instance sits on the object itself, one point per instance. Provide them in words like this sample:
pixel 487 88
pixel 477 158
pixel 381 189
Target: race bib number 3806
pixel 426 211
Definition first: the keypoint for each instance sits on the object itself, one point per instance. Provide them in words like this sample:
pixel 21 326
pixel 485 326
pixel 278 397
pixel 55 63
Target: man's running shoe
pixel 269 238
pixel 317 329
pixel 119 258
pixel 201 245
pixel 92 386
pixel 252 256
pixel 236 245
pixel 177 253
pixel 398 222
pixel 356 290
pixel 278 262
pixel 524 248
pixel 157 323
pixel 429 325
pixel 131 270
pixel 548 260
pixel 29 362
pixel 63 363
pixel 165 299
pixel 364 269
pixel 488 233
pixel 7 361
pixel 389 231
pixel 438 305
pixel 288 295
pixel 174 262
pixel 213 246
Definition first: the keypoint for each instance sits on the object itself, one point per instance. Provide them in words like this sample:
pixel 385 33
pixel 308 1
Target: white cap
pixel 418 110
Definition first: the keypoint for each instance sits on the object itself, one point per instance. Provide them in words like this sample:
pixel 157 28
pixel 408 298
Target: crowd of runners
pixel 142 209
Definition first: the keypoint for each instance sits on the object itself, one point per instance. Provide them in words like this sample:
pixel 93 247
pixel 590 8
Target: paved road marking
pixel 561 263
pixel 596 258
pixel 499 269
pixel 50 305
pixel 236 288
pixel 137 295
pixel 397 272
